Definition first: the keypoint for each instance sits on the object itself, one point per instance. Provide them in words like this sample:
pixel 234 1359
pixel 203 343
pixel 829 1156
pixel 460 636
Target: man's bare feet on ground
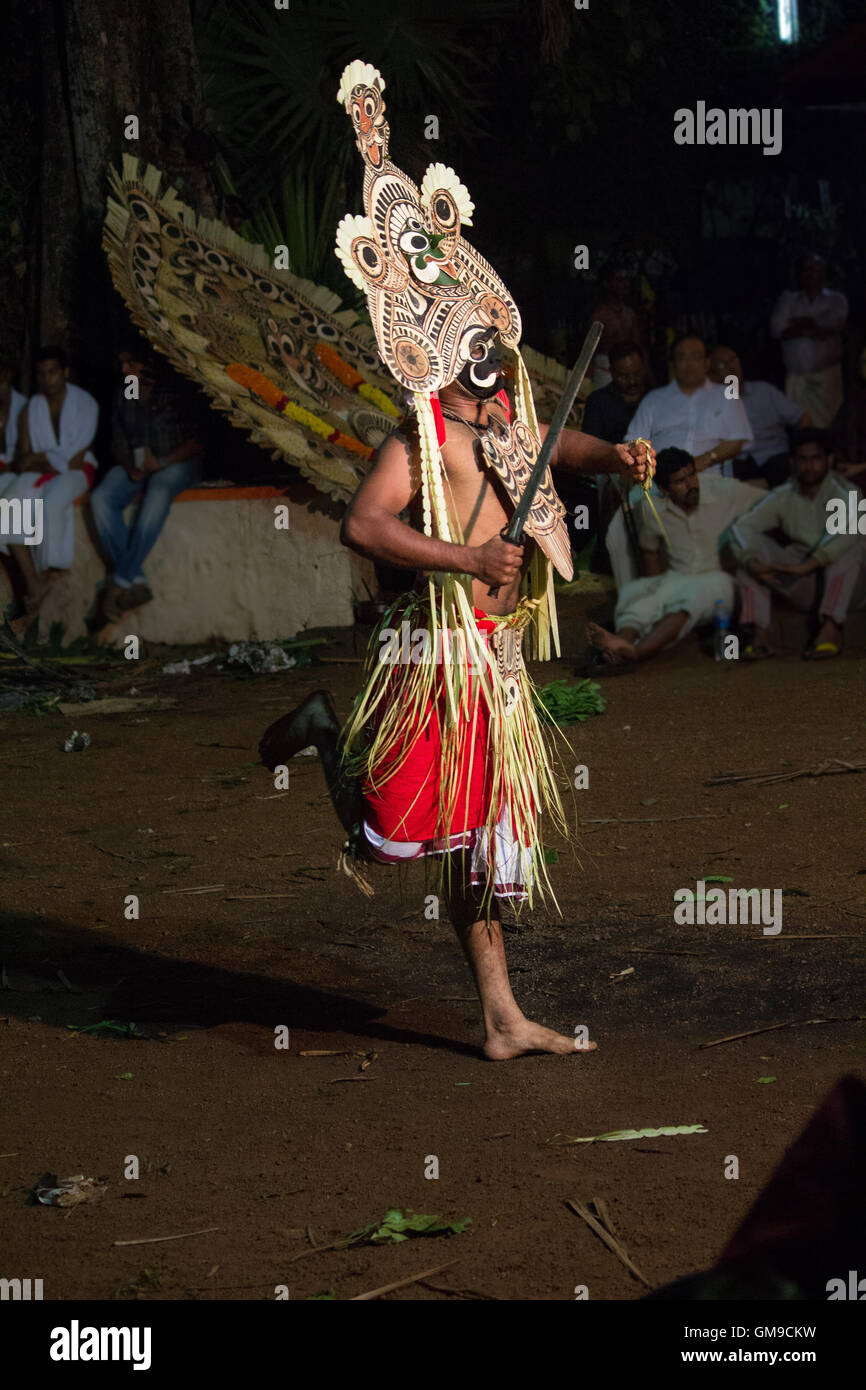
pixel 30 605
pixel 522 1036
pixel 614 649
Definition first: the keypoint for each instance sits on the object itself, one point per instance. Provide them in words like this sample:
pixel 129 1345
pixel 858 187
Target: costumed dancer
pixel 444 753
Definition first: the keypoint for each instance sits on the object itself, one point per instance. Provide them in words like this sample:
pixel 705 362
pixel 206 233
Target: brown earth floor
pixel 272 1147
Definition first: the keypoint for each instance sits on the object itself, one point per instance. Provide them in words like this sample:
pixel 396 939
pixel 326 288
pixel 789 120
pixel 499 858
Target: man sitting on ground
pixel 156 458
pixel 659 610
pixel 816 570
pixel 771 414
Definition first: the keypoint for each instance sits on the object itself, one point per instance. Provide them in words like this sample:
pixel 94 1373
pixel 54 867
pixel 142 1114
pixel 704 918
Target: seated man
pixel 771 414
pixel 655 612
pixel 54 466
pixel 610 408
pixel 607 416
pixel 156 457
pixel 691 412
pixel 816 571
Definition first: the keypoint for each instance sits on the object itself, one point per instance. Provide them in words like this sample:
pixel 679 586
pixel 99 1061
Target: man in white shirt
pixel 770 414
pixel 692 413
pixel 809 322
pixel 655 612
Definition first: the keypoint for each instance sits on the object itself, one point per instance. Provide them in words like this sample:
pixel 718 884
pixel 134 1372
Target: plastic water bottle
pixel 721 627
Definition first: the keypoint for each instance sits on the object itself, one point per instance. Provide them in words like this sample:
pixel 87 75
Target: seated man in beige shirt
pixel 817 568
pixel 660 609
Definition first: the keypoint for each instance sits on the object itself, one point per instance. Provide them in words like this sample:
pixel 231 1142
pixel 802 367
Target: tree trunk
pixel 102 63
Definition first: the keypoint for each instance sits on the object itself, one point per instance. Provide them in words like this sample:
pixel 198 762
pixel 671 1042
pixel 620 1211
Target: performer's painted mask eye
pixel 414 241
pixel 482 376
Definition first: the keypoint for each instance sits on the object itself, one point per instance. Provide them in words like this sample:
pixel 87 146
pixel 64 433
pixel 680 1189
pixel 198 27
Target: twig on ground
pixel 772 1027
pixel 154 1240
pixel 114 855
pixel 832 767
pixel 612 1243
pixel 401 1283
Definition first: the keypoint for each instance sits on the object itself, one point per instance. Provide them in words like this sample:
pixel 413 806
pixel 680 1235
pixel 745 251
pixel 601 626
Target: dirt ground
pixel 279 1150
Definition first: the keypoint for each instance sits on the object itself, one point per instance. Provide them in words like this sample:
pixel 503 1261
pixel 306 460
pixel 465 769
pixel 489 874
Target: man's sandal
pixel 822 651
pixel 756 651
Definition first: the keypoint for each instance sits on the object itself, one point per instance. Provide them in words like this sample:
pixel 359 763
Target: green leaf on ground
pixel 616 1134
pixel 397 1226
pixel 551 856
pixel 571 703
pixel 109 1027
pixel 765 1080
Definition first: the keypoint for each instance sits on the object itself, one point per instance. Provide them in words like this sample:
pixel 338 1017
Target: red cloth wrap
pixel 406 806
pixel 86 468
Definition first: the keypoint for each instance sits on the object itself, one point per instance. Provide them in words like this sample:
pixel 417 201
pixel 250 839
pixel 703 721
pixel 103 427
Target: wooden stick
pixel 772 1027
pixel 205 888
pixel 831 768
pixel 401 1283
pixel 256 897
pixel 153 1240
pixel 610 1241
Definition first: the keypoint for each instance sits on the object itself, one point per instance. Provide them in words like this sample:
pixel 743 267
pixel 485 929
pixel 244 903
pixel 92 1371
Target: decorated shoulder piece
pixel 432 300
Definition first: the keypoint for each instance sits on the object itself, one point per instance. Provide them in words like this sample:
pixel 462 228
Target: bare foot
pixel 614 649
pixel 25 620
pixel 524 1036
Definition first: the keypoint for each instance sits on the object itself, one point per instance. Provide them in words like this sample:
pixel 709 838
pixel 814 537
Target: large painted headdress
pixel 429 292
pixel 431 298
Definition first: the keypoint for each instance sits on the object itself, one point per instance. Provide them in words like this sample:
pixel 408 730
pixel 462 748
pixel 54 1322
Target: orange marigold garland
pixel 345 372
pixel 259 384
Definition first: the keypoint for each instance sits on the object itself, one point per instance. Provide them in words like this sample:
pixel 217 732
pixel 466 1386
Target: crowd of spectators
pixel 46 457
pixel 751 482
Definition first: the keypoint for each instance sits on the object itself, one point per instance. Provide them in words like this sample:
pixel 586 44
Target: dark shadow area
pixel 112 980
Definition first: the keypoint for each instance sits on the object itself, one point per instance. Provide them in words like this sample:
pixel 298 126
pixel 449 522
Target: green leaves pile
pixel 571 704
pixel 397 1225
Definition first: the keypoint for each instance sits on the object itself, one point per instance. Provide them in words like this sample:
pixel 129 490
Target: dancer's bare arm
pixel 583 453
pixel 373 527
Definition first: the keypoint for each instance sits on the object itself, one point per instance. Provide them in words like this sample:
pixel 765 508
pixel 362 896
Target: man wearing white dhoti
pixel 54 466
pixel 809 323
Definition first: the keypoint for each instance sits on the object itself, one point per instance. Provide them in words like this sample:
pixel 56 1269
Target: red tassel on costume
pixel 438 417
pixel 502 397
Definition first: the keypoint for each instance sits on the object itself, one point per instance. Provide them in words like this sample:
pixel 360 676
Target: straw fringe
pixel 388 714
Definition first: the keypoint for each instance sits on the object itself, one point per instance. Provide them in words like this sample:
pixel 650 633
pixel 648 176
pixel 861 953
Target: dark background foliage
pixel 560 122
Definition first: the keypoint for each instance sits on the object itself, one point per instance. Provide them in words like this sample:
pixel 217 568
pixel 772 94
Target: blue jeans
pixel 129 546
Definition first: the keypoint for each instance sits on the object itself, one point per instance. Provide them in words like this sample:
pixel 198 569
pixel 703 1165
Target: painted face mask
pixel 482 376
pixel 429 292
